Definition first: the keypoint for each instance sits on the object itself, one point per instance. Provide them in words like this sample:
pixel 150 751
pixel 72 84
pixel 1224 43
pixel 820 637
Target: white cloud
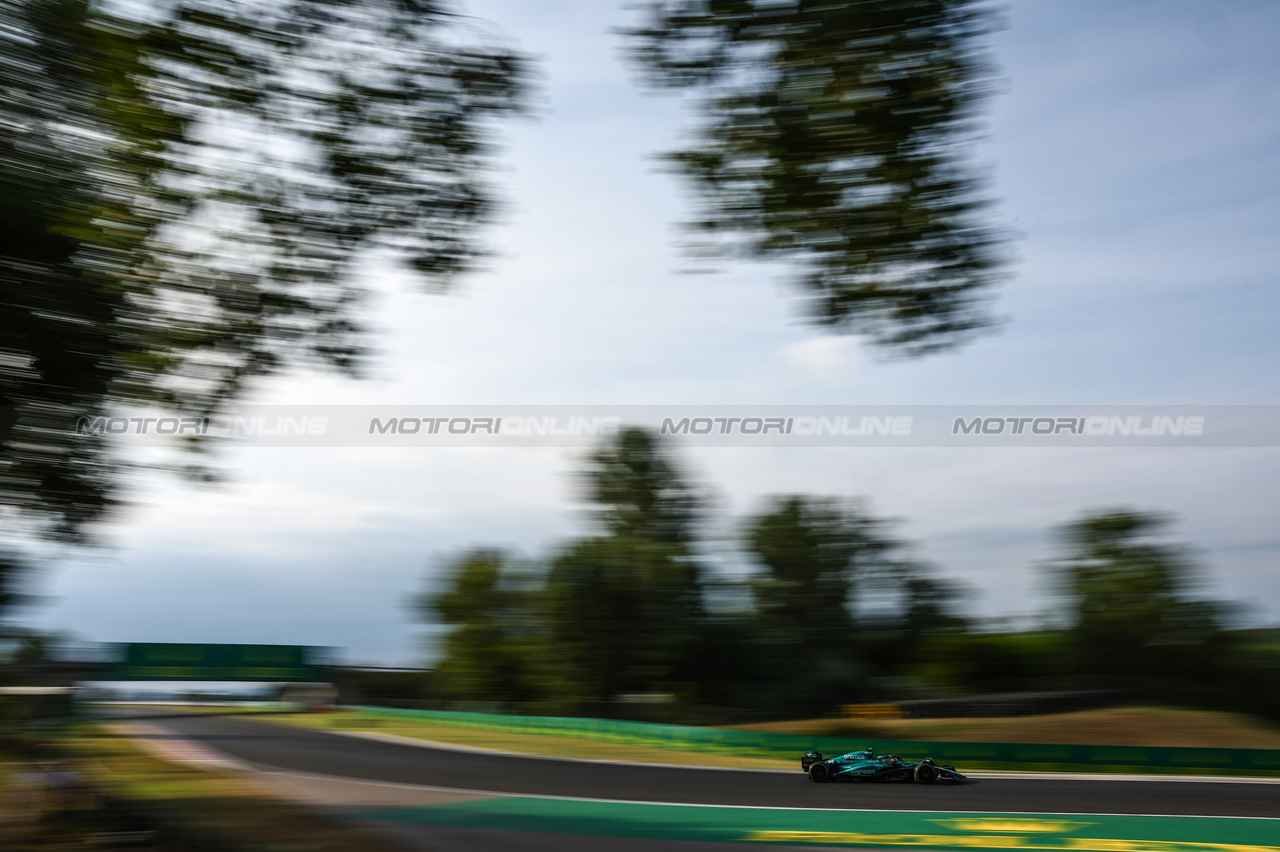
pixel 825 354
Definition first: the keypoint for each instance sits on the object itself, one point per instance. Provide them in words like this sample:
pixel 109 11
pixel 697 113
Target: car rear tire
pixel 926 774
pixel 820 772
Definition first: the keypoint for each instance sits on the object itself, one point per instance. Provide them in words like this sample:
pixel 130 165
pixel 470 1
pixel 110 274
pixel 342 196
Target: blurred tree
pixel 818 554
pixel 57 316
pixel 993 662
pixel 494 631
pixel 923 606
pixel 1249 672
pixel 11 571
pixel 183 199
pixel 35 647
pixel 1133 618
pixel 813 551
pixel 929 605
pixel 624 609
pixel 624 616
pixel 835 136
pixel 638 492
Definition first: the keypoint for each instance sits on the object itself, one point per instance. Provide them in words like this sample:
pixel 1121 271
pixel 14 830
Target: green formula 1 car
pixel 866 765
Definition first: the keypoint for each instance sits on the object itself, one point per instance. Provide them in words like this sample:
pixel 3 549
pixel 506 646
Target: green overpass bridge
pixel 169 661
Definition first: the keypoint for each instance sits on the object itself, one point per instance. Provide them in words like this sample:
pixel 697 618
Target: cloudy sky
pixel 1135 151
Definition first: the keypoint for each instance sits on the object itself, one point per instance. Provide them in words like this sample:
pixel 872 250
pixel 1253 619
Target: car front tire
pixel 926 774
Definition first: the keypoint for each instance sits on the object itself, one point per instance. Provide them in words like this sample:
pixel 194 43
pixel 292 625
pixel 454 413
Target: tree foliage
pixel 615 614
pixel 489 613
pixel 1131 603
pixel 12 570
pixel 624 609
pixel 627 613
pixel 833 135
pixel 814 552
pixel 624 617
pixel 836 612
pixel 184 198
pixel 638 492
pixel 838 602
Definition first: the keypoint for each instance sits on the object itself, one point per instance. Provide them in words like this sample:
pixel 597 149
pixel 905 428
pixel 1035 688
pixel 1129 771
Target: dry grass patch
pixel 1130 726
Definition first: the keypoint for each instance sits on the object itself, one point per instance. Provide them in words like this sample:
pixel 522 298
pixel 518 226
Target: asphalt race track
pixel 280 747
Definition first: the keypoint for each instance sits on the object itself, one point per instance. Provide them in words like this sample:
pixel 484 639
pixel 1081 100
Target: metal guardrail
pixel 1012 756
